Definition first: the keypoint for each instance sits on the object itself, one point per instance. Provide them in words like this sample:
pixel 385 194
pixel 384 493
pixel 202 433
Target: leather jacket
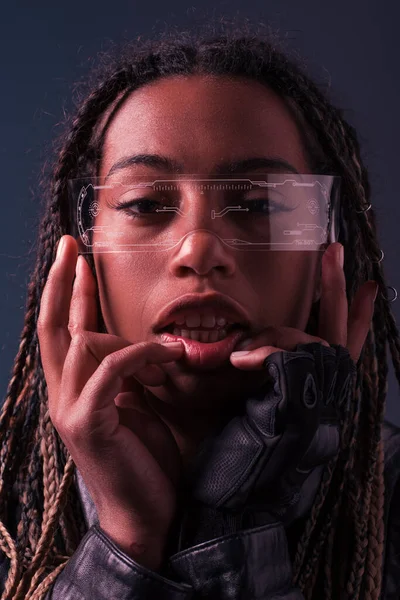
pixel 232 564
pixel 229 566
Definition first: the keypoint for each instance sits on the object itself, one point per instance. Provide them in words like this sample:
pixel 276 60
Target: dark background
pixel 47 46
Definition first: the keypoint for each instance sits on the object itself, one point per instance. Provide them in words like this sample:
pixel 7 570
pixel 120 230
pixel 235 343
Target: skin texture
pixel 201 121
pixel 129 410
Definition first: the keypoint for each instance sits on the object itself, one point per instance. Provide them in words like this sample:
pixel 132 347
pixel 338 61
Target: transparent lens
pixel 247 213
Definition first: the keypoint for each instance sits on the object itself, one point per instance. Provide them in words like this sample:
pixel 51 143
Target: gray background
pixel 47 46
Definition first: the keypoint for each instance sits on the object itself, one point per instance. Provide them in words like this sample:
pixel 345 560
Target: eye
pixel 257 204
pixel 140 207
pixel 265 205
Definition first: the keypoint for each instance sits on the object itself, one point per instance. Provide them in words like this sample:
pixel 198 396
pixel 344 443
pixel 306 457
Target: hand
pixel 125 453
pixel 264 457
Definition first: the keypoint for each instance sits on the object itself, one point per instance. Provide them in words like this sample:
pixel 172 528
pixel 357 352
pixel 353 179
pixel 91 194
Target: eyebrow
pixel 169 165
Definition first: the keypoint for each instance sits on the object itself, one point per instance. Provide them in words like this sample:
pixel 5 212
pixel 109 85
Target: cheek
pixel 125 285
pixel 287 289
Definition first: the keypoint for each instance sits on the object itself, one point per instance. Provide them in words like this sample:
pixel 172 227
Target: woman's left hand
pixel 336 324
pixel 263 458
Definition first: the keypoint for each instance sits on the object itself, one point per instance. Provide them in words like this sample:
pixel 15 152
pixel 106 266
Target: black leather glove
pixel 262 458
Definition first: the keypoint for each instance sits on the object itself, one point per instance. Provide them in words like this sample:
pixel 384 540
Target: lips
pixel 217 303
pixel 210 355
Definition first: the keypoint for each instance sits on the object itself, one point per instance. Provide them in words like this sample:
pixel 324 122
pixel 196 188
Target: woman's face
pixel 200 122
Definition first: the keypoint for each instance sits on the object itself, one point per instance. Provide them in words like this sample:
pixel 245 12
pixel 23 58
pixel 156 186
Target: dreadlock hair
pixel 339 551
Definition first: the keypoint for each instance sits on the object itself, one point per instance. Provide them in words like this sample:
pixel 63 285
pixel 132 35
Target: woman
pixel 101 419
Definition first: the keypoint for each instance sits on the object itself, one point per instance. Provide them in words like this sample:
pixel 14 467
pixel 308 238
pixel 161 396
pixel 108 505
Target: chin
pixel 209 390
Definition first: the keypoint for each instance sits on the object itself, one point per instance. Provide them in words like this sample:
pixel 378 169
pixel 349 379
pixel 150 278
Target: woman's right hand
pixel 126 454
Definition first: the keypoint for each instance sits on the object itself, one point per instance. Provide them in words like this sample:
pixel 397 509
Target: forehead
pixel 203 120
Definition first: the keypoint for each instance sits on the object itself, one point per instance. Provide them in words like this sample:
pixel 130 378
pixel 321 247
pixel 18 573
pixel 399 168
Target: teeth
pixel 213 336
pixel 208 321
pixel 205 336
pixel 193 320
pixel 201 336
pixel 198 320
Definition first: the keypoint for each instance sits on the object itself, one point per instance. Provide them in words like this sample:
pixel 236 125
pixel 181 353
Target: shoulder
pixel 391 567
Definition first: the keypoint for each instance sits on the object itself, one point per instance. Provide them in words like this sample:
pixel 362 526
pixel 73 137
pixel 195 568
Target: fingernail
pixel 244 343
pixel 237 354
pixel 173 344
pixel 60 248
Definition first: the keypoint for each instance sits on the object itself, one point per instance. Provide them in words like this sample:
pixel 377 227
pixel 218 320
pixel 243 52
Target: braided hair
pixel 339 551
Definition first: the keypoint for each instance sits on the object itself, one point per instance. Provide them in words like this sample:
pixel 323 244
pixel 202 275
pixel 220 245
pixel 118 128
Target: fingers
pixel 52 326
pixel 151 375
pixel 360 317
pixel 271 339
pixel 66 306
pixel 252 360
pixel 83 307
pixel 91 380
pixel 336 324
pixel 333 312
pixel 71 349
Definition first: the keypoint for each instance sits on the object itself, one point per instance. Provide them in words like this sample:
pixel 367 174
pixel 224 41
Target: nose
pixel 202 251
